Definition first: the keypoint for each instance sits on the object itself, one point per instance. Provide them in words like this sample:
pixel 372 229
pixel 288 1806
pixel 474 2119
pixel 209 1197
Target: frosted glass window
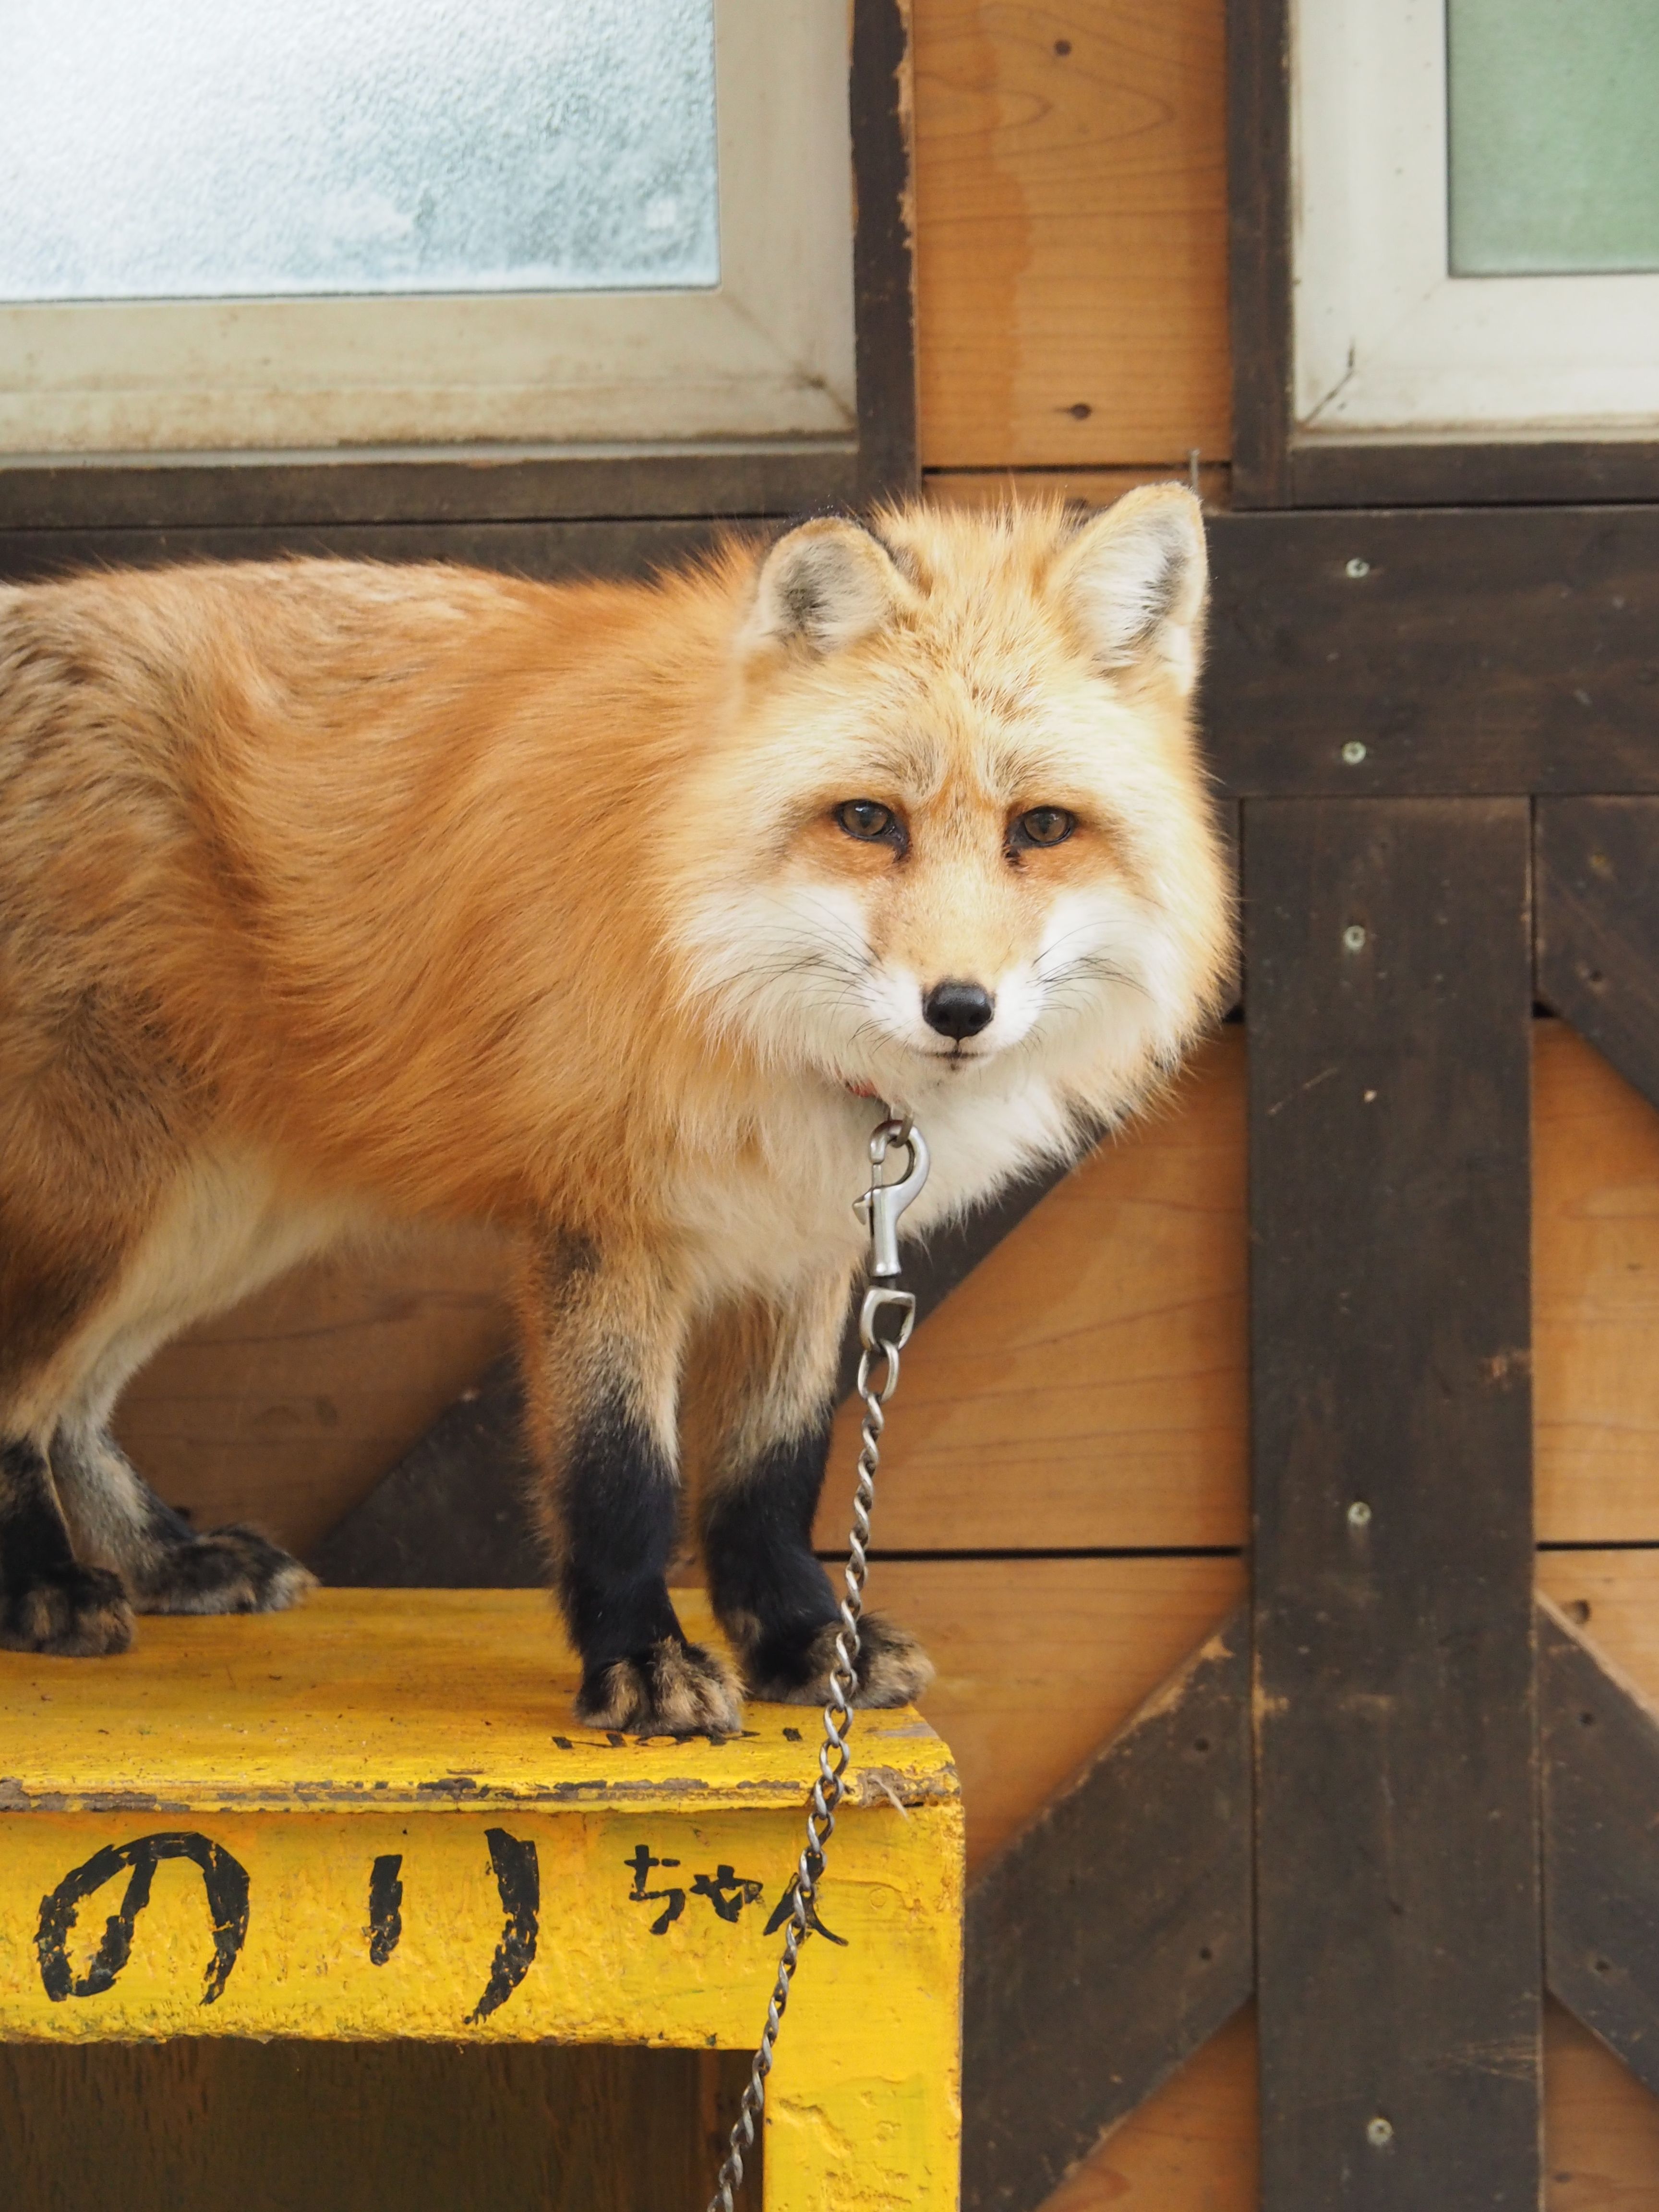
pixel 1554 137
pixel 244 148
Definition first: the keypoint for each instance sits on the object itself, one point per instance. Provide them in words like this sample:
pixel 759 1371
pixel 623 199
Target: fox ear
pixel 825 585
pixel 1134 581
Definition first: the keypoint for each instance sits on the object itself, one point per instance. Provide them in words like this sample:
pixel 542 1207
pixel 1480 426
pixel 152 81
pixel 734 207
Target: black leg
pixel 48 1601
pixel 774 1599
pixel 770 1593
pixel 620 1502
pixel 604 1362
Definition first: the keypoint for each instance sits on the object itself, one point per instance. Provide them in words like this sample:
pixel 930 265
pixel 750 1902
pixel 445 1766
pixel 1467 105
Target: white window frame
pixel 768 352
pixel 1386 341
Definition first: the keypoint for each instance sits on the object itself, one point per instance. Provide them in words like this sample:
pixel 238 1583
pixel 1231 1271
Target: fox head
pixel 973 841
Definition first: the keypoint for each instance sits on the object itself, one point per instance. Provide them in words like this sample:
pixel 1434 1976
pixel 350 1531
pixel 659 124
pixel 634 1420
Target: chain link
pixel 834 1754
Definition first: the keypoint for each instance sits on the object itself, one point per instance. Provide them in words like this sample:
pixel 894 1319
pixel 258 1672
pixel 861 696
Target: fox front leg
pixel 774 1600
pixel 605 1332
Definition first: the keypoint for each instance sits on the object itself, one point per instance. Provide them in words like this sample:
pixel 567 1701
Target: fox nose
pixel 957 1010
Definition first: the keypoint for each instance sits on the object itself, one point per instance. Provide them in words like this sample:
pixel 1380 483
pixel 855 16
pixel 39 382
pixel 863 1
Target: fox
pixel 336 895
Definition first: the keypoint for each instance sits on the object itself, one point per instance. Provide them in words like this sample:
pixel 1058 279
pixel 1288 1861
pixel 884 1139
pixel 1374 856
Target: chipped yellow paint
pixel 373 1700
pixel 435 1728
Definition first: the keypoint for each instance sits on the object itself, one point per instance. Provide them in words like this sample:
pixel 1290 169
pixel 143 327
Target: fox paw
pixel 228 1570
pixel 892 1667
pixel 672 1689
pixel 71 1613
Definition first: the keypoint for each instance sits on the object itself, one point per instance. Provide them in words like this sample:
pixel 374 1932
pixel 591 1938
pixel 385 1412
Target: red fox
pixel 334 894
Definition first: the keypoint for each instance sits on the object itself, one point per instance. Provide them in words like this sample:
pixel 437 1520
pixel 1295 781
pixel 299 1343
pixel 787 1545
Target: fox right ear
pixel 1136 579
pixel 825 585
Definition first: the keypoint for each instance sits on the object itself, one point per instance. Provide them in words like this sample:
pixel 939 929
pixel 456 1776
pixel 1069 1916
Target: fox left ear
pixel 825 585
pixel 1134 580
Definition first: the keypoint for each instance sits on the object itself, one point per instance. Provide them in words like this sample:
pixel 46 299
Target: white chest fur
pixel 784 1211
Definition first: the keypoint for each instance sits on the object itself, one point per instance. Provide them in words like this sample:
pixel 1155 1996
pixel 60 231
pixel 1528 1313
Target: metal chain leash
pixel 880 1207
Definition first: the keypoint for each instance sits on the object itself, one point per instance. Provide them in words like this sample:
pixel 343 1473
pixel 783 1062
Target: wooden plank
pixel 527 548
pixel 1326 472
pixel 881 100
pixel 1388 955
pixel 289 1408
pixel 1072 232
pixel 1600 1745
pixel 483 483
pixel 1598 926
pixel 1085 1386
pixel 992 488
pixel 1259 247
pixel 451 1513
pixel 1601 2126
pixel 1041 1661
pixel 1195 2147
pixel 1112 1937
pixel 1494 651
pixel 1595 1297
pixel 200 2123
pixel 1601 1867
pixel 1615 1596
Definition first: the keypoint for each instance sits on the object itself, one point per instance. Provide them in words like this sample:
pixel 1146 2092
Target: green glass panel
pixel 1554 137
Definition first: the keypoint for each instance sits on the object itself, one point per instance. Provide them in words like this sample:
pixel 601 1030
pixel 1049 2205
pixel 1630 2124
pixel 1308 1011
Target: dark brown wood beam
pixel 1112 1937
pixel 883 249
pixel 1601 1770
pixel 1485 652
pixel 1597 877
pixel 1398 1951
pixel 609 547
pixel 779 476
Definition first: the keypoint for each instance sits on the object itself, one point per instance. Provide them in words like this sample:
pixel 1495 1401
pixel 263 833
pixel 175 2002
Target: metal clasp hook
pixel 883 1202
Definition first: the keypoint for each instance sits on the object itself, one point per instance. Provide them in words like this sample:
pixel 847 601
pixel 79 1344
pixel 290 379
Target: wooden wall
pixel 1066 1477
pixel 1071 208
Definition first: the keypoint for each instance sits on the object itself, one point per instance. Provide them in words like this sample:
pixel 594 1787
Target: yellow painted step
pixel 377 1817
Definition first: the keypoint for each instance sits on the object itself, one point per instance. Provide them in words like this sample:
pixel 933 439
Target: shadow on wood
pixel 1597 889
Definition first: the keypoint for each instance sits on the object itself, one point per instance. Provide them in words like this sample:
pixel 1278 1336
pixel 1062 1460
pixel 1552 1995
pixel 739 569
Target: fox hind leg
pixel 773 1597
pixel 119 1522
pixel 81 1306
pixel 50 1601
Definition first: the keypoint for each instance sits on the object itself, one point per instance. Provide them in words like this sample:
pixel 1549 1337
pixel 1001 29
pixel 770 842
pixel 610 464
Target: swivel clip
pixel 883 1202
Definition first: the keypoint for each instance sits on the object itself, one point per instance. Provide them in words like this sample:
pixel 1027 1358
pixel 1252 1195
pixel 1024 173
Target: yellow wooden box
pixel 376 1817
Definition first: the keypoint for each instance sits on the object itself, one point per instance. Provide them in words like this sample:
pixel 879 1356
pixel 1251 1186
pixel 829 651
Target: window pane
pixel 214 148
pixel 1554 137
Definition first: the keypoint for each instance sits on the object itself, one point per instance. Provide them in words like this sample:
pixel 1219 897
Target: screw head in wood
pixel 1359 1515
pixel 1353 752
pixel 1354 938
pixel 1379 2132
pixel 1358 566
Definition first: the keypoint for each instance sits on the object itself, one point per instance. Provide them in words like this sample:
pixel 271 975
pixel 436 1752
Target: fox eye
pixel 1044 825
pixel 867 820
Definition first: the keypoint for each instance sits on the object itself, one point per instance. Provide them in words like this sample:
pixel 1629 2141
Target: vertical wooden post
pixel 1388 973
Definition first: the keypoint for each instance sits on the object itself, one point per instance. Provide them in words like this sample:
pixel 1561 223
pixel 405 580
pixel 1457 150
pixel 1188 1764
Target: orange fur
pixel 331 892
